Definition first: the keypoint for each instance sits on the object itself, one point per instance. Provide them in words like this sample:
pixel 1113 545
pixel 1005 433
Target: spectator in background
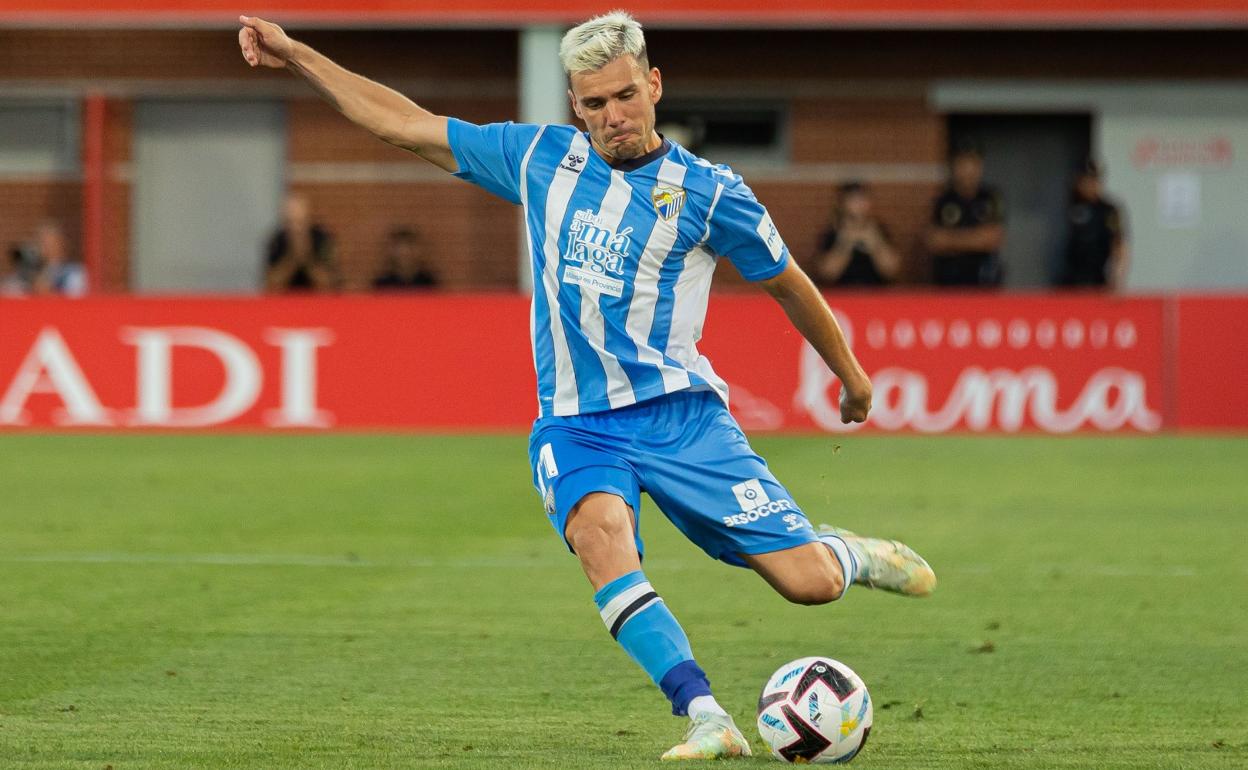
pixel 856 250
pixel 967 226
pixel 301 253
pixel 1096 248
pixel 58 271
pixel 15 279
pixel 403 263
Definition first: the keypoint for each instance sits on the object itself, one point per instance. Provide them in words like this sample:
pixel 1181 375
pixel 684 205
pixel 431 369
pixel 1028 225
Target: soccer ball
pixel 814 710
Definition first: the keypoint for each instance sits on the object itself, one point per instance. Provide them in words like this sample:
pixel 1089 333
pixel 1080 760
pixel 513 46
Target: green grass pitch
pixel 400 602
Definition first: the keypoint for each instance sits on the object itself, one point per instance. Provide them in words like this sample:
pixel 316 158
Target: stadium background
pixel 257 596
pixel 108 110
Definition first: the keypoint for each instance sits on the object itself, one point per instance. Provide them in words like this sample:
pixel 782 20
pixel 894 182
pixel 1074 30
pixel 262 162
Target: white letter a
pixel 49 367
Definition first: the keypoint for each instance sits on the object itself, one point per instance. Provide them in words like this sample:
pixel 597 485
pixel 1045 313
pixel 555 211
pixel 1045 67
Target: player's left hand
pixel 855 401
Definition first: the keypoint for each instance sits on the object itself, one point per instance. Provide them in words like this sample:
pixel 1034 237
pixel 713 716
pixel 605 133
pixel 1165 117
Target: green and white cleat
pixel 711 736
pixel 886 564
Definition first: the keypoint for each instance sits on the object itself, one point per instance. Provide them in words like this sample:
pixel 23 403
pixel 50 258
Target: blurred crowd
pixel 961 246
pixel 300 256
pixel 43 265
pixel 965 234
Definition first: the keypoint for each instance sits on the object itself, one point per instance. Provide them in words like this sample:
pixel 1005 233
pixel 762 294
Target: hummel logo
pixel 573 163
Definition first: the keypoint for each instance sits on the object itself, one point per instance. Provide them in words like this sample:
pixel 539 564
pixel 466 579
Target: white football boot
pixel 711 736
pixel 886 564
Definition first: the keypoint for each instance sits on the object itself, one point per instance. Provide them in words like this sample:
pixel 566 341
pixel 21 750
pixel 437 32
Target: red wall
pixel 880 12
pixel 939 363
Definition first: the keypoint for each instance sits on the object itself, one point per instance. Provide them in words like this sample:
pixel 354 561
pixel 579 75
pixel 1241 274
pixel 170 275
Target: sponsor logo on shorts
pixel 755 504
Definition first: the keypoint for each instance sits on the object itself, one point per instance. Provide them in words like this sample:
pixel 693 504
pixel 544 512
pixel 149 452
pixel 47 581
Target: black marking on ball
pixel 810 742
pixel 822 671
pixel 765 700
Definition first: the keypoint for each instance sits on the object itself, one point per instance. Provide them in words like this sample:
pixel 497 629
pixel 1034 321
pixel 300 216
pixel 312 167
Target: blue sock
pixel 639 620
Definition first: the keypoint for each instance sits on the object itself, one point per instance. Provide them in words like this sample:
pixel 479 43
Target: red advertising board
pixel 1210 369
pixel 352 362
pixel 886 13
pixel 939 363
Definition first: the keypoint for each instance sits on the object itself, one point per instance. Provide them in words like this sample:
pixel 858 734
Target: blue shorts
pixel 687 452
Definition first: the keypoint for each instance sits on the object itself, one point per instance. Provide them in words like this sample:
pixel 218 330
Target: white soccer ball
pixel 814 710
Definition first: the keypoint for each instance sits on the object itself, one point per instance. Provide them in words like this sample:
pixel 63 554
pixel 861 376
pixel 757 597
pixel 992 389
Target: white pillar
pixel 543 99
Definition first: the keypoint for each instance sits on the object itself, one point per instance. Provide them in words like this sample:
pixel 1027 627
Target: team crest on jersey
pixel 668 201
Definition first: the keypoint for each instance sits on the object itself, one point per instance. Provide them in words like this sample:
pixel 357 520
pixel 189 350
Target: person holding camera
pixel 43 266
pixel 301 253
pixel 15 281
pixel 856 250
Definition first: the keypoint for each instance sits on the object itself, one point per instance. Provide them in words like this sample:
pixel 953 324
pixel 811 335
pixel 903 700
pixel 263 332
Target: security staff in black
pixel 967 226
pixel 1096 239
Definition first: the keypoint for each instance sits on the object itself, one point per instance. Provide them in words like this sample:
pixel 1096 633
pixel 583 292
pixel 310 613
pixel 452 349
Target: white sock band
pixel 628 603
pixel 849 565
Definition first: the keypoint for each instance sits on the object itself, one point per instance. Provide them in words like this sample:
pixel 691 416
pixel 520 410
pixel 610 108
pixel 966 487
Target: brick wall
pixel 856 100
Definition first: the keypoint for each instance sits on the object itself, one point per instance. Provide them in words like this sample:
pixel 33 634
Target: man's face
pixel 1088 187
pixel 968 171
pixel 857 205
pixel 297 211
pixel 404 253
pixel 617 105
pixel 52 245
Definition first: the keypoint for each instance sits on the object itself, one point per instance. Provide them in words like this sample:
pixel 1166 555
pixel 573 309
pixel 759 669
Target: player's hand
pixel 855 401
pixel 264 44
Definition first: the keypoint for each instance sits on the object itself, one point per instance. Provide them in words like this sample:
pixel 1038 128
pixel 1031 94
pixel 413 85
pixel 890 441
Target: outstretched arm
pixel 811 316
pixel 386 113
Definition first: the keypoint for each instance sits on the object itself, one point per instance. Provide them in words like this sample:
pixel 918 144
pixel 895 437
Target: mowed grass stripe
pixel 1090 612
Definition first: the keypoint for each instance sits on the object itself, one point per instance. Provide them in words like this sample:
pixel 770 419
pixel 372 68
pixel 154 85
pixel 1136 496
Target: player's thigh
pixel 721 494
pixel 569 467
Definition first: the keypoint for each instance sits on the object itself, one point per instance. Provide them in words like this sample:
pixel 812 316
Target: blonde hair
pixel 596 43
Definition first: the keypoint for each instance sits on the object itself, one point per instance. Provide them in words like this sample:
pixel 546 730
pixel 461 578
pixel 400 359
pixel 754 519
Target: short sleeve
pixel 489 156
pixel 75 281
pixel 742 230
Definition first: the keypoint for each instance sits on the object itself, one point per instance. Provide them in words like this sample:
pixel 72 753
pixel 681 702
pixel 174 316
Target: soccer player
pixel 624 230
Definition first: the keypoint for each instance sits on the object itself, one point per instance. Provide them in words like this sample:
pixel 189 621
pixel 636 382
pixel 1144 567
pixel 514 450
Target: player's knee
pixel 596 528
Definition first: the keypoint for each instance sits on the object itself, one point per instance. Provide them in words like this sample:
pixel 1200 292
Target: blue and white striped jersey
pixel 622 259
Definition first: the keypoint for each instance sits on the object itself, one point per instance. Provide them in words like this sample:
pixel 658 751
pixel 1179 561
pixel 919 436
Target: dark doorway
pixel 1031 160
